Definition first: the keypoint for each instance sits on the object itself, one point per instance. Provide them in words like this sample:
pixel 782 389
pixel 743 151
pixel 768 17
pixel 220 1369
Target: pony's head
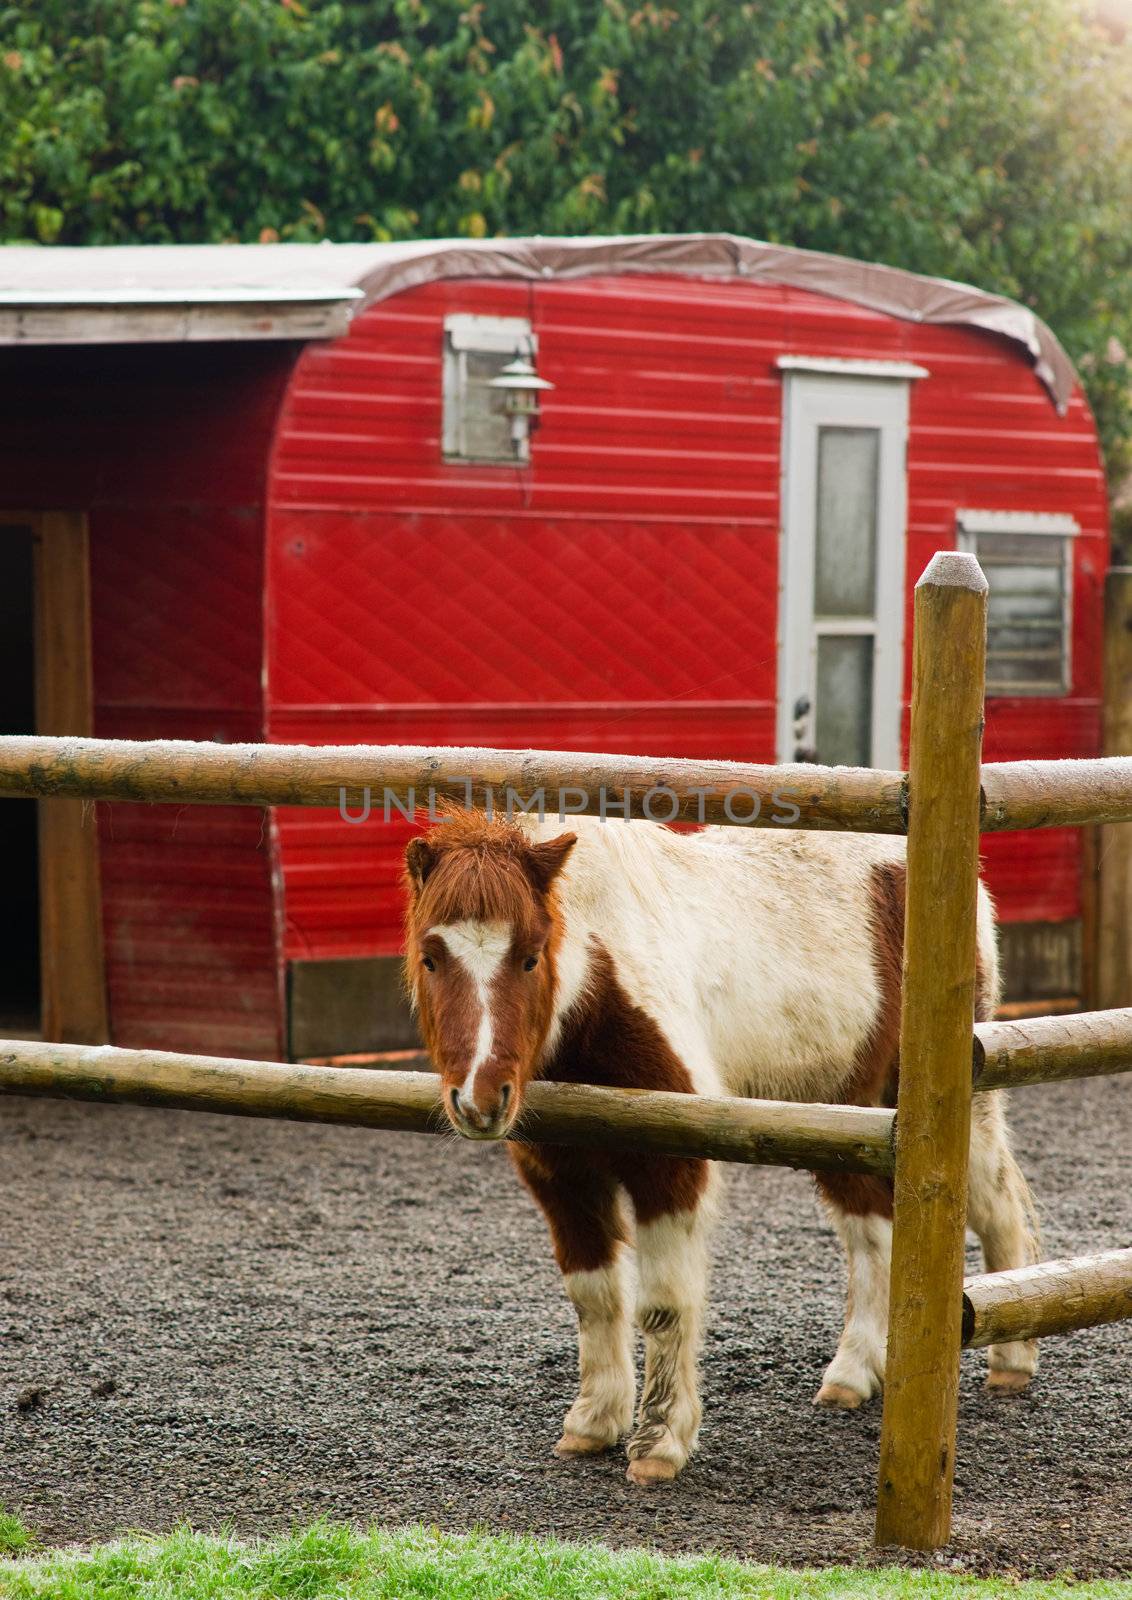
pixel 481 940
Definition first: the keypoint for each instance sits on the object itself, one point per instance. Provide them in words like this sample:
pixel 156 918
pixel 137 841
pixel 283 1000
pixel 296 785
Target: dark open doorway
pixel 19 852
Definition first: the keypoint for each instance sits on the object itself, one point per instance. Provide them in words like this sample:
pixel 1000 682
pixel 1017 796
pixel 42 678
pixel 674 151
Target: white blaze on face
pixel 480 948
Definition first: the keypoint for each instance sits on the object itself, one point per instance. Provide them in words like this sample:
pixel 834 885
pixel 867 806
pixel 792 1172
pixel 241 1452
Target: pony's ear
pixel 545 861
pixel 420 858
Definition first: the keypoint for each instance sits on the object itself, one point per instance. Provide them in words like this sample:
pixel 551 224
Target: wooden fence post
pixel 72 959
pixel 1112 933
pixel 917 1453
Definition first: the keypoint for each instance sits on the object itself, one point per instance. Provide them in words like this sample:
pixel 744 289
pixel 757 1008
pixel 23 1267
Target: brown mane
pixel 479 870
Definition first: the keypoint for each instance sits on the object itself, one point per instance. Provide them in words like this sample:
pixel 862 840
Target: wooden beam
pixel 111 323
pixel 1046 1049
pixel 661 789
pixel 917 1455
pixel 758 1132
pixel 72 973
pixel 1017 794
pixel 1053 1297
pixel 1112 962
pixel 1008 1053
pixel 1056 794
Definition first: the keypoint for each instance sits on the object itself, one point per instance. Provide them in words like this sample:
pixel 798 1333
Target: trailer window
pixel 476 350
pixel 1028 562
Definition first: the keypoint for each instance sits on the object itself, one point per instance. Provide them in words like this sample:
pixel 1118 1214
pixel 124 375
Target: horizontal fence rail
pixel 759 1132
pixel 395 779
pixel 1089 1044
pixel 400 778
pixel 1053 1297
pixel 1047 1049
pixel 1056 794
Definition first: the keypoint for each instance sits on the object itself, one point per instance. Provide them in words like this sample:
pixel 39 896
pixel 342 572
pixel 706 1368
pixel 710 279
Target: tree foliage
pixel 986 140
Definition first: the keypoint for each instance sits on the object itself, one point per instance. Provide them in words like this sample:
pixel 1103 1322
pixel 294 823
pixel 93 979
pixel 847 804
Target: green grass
pixel 14 1537
pixel 333 1562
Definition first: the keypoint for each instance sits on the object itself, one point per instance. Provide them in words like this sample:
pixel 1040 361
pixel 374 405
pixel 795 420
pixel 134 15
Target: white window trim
pixel 502 335
pixel 1055 525
pixel 1017 522
pixel 464 331
pixel 839 367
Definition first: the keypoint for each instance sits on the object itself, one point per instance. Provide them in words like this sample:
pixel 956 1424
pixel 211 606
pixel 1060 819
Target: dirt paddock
pixel 219 1320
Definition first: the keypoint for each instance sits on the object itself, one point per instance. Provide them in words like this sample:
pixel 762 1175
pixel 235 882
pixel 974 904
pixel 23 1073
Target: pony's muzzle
pixel 478 1122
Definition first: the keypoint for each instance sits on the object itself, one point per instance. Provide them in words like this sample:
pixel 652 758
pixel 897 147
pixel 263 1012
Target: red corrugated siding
pixel 166 448
pixel 986 436
pixel 622 595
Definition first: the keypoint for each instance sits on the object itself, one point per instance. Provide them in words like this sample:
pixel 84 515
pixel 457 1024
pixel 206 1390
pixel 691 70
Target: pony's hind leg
pixel 672 1264
pixel 861 1210
pixel 578 1197
pixel 1001 1211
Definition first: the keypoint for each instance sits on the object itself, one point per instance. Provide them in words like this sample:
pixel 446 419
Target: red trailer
pixel 311 519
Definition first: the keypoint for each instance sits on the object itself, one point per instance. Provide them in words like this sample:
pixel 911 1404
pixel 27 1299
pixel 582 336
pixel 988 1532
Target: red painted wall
pixel 622 593
pixel 165 446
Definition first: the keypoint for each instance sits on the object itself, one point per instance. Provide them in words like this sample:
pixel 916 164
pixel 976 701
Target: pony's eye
pixel 428 963
pixel 530 963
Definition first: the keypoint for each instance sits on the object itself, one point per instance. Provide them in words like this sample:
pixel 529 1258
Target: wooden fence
pixel 943 803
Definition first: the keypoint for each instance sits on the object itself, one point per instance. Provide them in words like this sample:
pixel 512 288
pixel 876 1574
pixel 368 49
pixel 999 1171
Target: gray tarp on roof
pixel 346 277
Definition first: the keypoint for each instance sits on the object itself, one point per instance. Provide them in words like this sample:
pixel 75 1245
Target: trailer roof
pixel 124 294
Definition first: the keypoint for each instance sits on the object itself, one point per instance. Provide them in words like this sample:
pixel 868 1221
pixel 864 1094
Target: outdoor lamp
pixel 520 386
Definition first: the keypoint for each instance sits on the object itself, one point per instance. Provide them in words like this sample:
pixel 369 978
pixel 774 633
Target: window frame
pixel 466 332
pixel 971 525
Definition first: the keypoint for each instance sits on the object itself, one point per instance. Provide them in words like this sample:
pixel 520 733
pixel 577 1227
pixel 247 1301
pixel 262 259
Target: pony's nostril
pixel 504 1097
pixel 454 1097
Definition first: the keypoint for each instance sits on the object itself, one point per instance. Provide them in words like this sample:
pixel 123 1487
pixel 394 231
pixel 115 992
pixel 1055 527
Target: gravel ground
pixel 216 1320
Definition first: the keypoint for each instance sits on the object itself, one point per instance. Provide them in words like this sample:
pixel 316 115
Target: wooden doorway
pixel 59 987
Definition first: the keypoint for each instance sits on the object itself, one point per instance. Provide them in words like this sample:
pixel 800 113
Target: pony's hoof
pixel 838 1397
pixel 577 1444
pixel 651 1470
pixel 1008 1381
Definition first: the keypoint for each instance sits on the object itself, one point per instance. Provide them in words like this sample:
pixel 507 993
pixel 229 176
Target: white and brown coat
pixel 730 961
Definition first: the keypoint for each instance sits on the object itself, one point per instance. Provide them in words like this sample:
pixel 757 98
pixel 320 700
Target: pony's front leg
pixel 673 1203
pixel 603 1411
pixel 577 1195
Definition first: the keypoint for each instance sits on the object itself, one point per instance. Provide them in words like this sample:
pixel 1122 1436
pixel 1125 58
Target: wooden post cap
pixel 953 569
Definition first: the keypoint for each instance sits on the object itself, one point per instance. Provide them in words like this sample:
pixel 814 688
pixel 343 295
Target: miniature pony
pixel 759 962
